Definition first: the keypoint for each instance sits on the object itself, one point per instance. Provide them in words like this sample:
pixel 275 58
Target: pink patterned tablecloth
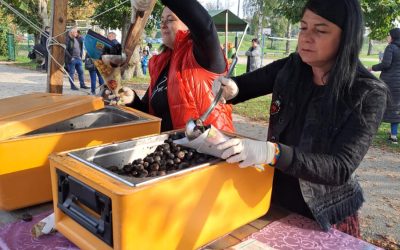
pixel 292 232
pixel 17 236
pixel 297 232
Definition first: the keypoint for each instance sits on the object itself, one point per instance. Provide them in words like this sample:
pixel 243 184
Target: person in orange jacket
pixel 182 74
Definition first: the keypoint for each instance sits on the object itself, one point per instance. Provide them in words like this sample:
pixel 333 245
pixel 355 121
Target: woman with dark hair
pixel 390 74
pixel 253 56
pixel 326 108
pixel 183 73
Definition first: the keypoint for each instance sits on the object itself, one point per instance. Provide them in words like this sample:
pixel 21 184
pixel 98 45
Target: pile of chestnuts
pixel 167 158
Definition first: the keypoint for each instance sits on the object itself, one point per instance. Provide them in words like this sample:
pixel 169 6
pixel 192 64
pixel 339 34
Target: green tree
pixel 117 18
pixel 35 10
pixel 291 9
pixel 3 33
pixel 379 18
pixel 261 12
pixel 271 14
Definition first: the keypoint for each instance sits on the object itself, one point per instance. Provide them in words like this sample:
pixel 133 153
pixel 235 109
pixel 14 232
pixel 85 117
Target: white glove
pixel 109 97
pixel 126 95
pixel 230 89
pixel 248 152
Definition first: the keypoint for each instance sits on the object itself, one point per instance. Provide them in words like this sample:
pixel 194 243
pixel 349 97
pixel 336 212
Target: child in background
pixel 144 61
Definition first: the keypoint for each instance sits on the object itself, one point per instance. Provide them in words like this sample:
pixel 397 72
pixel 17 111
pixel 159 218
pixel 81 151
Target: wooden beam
pixel 58 23
pixel 135 31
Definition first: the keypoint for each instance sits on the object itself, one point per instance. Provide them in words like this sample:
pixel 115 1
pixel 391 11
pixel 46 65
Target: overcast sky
pixel 232 5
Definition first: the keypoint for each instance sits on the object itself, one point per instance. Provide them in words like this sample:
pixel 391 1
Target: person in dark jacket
pixel 326 108
pixel 42 49
pixel 390 74
pixel 43 43
pixel 73 58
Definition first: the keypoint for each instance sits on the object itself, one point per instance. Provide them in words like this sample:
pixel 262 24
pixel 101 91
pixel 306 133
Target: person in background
pixel 73 58
pixel 390 74
pixel 223 48
pixel 325 111
pixel 41 49
pixel 113 38
pixel 93 72
pixel 149 47
pixel 43 43
pixel 181 76
pixel 154 52
pixel 253 56
pixel 231 52
pixel 144 60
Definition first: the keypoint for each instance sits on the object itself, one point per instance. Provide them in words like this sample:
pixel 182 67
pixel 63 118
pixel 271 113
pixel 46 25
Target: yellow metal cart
pixel 98 209
pixel 35 125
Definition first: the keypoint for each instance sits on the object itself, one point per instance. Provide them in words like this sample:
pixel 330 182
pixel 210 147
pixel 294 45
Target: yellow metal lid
pixel 22 114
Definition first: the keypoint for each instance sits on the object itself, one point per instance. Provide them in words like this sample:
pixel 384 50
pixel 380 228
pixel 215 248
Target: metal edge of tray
pixel 101 169
pixel 150 179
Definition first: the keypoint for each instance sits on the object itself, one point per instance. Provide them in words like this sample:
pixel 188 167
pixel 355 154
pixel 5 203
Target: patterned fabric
pixel 298 232
pixel 18 236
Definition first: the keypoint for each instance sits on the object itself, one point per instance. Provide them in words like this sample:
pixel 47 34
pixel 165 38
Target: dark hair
pixel 343 72
pixel 255 40
pixel 395 33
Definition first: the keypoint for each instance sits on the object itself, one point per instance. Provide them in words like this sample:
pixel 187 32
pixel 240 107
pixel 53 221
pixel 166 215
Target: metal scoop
pixel 192 130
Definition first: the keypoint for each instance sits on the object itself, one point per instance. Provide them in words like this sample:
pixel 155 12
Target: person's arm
pixel 257 83
pixel 348 148
pixel 140 104
pixel 386 60
pixel 206 48
pixel 68 55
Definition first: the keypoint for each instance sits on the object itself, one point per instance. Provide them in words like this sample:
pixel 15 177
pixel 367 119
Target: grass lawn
pixel 21 61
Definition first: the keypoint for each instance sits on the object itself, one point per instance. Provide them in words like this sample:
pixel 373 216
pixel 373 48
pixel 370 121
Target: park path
pixel 379 173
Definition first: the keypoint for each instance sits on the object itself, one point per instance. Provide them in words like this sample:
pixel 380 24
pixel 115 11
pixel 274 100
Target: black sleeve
pixel 140 104
pixel 386 60
pixel 206 48
pixel 348 149
pixel 257 83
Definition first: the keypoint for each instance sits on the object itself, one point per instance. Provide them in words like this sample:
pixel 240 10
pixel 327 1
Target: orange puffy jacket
pixel 189 86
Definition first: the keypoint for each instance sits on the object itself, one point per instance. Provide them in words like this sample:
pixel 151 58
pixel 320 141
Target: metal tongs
pixel 191 132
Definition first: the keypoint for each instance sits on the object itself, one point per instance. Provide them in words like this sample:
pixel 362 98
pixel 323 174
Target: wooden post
pixel 58 24
pixel 136 30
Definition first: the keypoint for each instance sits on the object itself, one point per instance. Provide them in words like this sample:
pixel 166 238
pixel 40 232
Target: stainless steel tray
pixel 119 154
pixel 100 118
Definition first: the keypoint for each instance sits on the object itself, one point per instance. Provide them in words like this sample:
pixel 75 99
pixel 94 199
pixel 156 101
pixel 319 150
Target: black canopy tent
pixel 226 21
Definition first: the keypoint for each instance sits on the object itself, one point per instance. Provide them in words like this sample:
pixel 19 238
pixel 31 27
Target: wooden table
pixel 236 236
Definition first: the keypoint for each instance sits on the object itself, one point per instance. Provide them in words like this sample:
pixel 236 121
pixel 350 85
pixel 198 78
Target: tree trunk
pixel 288 32
pixel 133 68
pixel 124 30
pixel 43 12
pixel 369 46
